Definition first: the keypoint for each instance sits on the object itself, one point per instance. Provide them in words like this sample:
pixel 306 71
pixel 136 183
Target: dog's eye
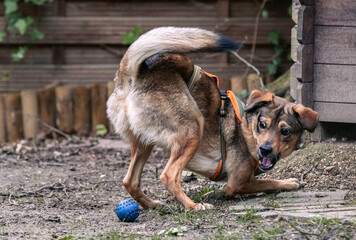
pixel 284 131
pixel 263 124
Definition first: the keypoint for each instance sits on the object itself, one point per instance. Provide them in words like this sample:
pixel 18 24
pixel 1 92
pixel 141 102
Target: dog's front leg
pixel 254 185
pixel 242 180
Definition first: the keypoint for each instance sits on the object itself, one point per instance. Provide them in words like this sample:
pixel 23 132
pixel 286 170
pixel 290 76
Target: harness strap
pixel 194 78
pixel 225 96
pixel 222 114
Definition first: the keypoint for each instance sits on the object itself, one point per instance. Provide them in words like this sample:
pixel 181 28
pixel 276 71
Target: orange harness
pixel 224 95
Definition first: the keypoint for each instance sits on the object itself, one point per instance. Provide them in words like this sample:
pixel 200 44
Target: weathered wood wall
pixel 324 51
pixel 82 43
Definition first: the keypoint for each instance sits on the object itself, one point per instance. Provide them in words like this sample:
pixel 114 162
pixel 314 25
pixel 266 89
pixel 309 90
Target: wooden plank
pixel 172 8
pixel 223 8
pixel 110 87
pixel 248 8
pixel 110 30
pixel 305 57
pixel 238 83
pixel 175 8
pixel 295 9
pixel 2 121
pixel 331 13
pixel 253 82
pixel 335 45
pixel 47 109
pixel 98 111
pixel 94 54
pixel 334 83
pixel 303 68
pixel 336 112
pixel 223 11
pixel 37 76
pixel 59 8
pixel 302 92
pixel 300 204
pixel 13 113
pixel 81 99
pixel 34 55
pixel 294 43
pixel 2 9
pixel 30 116
pixel 305 31
pixel 64 107
pixel 58 50
pixel 307 2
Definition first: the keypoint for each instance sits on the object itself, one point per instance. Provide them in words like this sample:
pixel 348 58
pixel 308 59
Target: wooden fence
pixel 82 43
pixel 64 109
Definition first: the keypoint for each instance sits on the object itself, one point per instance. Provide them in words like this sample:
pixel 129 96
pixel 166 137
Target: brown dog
pixel 151 105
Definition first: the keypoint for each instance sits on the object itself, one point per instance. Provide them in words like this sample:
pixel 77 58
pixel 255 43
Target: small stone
pixel 278 218
pixel 329 168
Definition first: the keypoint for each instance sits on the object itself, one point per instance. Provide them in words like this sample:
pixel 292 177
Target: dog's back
pixel 149 75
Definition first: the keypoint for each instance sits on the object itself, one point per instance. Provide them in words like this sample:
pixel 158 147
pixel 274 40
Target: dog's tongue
pixel 266 161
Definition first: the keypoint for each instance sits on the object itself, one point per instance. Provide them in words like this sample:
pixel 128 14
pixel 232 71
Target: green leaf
pixel 289 56
pixel 2 35
pixel 273 37
pixel 12 19
pixel 131 36
pixel 290 9
pixel 36 34
pixel 36 2
pixel 272 69
pixel 29 20
pixel 264 14
pixel 277 60
pixel 21 25
pixel 10 6
pixel 101 129
pixel 137 31
pixel 5 76
pixel 19 54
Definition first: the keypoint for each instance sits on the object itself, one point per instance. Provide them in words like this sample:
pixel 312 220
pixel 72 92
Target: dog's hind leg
pixel 139 156
pixel 172 174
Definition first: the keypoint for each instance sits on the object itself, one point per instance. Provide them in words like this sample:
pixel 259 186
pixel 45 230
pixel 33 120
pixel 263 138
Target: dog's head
pixel 272 126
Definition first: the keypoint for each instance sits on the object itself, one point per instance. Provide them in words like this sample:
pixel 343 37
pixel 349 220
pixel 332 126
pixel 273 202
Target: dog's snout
pixel 266 150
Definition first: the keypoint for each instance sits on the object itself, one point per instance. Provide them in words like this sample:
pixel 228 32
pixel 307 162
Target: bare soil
pixel 69 188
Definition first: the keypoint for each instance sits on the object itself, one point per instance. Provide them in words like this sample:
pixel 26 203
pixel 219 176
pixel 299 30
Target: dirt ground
pixel 69 188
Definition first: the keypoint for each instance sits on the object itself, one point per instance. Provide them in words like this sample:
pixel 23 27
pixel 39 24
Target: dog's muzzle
pixel 267 163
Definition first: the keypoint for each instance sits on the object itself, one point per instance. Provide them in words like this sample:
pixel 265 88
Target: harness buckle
pixel 223 96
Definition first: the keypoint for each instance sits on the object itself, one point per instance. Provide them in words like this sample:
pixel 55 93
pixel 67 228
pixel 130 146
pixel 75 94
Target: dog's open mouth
pixel 267 163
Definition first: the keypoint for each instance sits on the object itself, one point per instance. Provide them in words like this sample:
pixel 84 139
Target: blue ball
pixel 127 210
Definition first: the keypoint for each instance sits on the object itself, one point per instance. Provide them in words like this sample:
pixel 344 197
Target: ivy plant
pixel 131 36
pixel 280 48
pixel 16 24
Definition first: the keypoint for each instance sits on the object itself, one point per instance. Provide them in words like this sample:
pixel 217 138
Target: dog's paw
pixel 291 183
pixel 202 206
pixel 155 204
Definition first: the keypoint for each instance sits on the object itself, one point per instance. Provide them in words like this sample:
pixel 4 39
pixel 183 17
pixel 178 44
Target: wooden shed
pixel 324 73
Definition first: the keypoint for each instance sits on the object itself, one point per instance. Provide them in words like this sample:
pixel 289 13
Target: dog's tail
pixel 175 40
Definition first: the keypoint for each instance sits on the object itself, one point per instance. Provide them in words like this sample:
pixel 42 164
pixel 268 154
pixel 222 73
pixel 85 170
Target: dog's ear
pixel 306 116
pixel 257 99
